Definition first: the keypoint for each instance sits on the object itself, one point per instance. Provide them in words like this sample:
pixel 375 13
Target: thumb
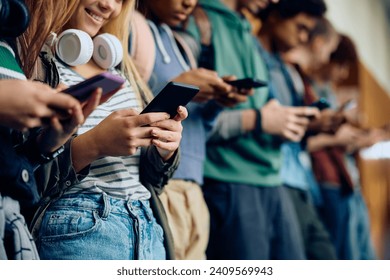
pixel 182 114
pixel 229 78
pixel 273 102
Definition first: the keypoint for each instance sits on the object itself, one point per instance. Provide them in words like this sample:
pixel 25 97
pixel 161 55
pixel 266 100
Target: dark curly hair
pixel 346 54
pixel 291 8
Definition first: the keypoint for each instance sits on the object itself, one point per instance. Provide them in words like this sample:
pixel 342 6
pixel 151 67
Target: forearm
pixel 165 155
pixel 233 123
pixel 84 151
pixel 321 141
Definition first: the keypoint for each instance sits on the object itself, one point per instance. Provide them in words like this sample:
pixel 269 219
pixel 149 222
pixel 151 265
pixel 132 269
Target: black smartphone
pixel 171 97
pixel 321 104
pixel 107 81
pixel 247 83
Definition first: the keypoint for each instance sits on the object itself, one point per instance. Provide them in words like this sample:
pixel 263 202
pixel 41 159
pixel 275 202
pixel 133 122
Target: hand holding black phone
pixel 171 97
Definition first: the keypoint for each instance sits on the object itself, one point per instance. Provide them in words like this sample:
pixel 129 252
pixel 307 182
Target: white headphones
pixel 76 47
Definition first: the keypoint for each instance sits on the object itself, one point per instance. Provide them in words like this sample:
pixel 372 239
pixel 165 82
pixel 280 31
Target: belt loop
pixel 106 206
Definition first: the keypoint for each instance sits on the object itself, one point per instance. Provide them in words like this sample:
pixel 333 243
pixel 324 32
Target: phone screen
pixel 171 97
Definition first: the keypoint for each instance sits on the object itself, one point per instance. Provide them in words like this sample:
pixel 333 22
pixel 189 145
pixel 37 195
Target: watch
pixel 45 158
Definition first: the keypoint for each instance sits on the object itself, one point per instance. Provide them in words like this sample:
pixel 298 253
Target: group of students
pixel 93 171
pixel 237 174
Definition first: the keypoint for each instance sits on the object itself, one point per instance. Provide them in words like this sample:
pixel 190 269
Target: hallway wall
pixel 367 22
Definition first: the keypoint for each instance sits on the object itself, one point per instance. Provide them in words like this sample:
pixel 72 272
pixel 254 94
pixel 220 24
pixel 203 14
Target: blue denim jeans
pixel 91 227
pixel 251 223
pixel 346 217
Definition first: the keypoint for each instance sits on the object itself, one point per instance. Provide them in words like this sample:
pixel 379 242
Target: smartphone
pixel 170 97
pixel 321 104
pixel 247 83
pixel 107 81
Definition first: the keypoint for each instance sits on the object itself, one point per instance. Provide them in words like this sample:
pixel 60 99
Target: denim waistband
pixel 104 204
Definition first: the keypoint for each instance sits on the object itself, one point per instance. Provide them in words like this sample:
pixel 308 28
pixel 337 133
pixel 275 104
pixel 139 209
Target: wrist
pixel 38 155
pixel 87 145
pixel 47 157
pixel 44 144
pixel 265 123
pixel 165 154
pixel 248 120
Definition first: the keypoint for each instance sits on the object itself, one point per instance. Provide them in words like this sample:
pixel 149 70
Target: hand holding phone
pixel 107 81
pixel 171 97
pixel 320 104
pixel 247 83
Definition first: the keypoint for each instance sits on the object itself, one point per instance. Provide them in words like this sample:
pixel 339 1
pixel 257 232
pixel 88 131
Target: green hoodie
pixel 252 158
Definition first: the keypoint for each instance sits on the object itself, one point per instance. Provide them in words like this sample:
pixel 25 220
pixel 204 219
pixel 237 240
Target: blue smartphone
pixel 107 81
pixel 171 97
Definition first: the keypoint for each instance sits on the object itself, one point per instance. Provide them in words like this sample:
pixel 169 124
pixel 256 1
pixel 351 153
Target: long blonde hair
pixel 52 15
pixel 120 27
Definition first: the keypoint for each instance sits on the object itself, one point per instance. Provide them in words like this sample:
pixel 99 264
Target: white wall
pixel 366 22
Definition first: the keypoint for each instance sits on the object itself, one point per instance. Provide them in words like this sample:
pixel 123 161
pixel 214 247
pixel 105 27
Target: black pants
pixel 250 222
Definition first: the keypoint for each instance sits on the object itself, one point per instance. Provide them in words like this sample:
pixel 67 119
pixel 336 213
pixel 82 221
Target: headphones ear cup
pixel 4 12
pixel 108 51
pixel 14 18
pixel 74 47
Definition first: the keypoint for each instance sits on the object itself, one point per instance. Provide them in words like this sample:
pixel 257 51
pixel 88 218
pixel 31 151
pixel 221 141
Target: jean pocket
pixel 69 223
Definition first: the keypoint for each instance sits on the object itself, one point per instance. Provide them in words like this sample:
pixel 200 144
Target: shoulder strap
pixel 46 70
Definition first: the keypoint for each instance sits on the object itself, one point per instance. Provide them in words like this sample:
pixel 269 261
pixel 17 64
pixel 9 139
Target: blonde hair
pixel 45 16
pixel 120 27
pixel 52 15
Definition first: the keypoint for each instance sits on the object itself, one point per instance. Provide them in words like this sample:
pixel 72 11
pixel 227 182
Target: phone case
pixel 247 83
pixel 171 97
pixel 321 104
pixel 107 81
